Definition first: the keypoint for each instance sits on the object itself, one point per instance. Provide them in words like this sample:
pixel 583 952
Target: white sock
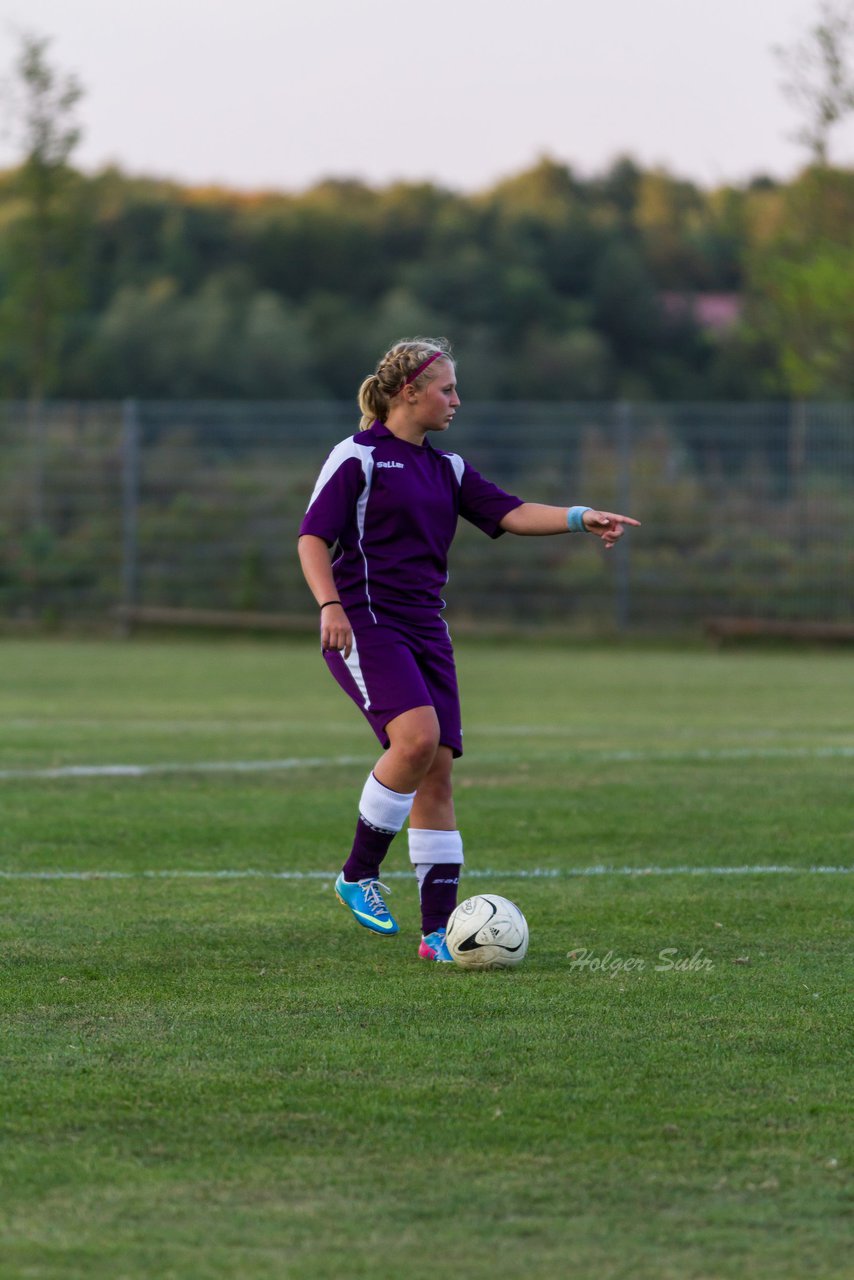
pixel 427 848
pixel 383 808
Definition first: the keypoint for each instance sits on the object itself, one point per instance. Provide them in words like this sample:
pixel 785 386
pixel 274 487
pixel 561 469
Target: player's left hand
pixel 607 525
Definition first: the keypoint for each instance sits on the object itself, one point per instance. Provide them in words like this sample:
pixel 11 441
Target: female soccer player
pixel 390 501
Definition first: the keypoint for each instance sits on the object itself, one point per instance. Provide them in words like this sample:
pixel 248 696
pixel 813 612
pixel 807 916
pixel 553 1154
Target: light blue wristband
pixel 575 519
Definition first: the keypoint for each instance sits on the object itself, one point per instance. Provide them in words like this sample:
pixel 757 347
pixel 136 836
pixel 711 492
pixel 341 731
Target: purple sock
pixel 438 895
pixel 370 846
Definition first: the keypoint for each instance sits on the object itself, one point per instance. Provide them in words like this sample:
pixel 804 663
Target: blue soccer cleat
pixel 435 947
pixel 366 902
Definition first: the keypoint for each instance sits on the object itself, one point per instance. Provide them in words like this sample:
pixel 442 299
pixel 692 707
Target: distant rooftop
pixel 716 311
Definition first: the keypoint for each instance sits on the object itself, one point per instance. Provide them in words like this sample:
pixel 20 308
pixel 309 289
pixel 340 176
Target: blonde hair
pixel 392 373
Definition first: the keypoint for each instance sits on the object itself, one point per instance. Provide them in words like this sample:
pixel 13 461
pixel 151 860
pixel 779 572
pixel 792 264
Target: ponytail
pixel 372 401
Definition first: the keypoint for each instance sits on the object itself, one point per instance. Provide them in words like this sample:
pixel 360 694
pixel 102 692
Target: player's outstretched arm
pixel 537 519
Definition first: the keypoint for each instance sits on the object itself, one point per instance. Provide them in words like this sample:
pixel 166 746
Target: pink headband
pixel 424 365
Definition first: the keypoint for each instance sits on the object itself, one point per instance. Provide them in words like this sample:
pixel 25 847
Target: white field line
pixel 149 770
pixel 198 724
pixel 592 756
pixel 480 873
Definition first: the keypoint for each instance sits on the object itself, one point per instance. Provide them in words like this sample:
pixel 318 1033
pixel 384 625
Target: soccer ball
pixel 487 932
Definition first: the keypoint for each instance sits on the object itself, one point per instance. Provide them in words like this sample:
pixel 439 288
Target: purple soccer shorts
pixel 394 668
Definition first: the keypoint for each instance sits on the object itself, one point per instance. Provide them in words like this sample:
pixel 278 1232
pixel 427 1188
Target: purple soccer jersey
pixel 393 507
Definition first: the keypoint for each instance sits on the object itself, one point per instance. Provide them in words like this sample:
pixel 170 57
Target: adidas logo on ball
pixel 487 932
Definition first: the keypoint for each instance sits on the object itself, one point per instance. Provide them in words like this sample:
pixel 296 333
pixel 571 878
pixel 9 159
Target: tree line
pixel 552 286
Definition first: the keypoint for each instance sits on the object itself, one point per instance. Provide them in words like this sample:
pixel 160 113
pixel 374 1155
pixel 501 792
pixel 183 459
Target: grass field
pixel 216 1075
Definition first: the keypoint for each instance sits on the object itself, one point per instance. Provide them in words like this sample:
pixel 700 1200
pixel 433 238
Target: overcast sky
pixel 280 93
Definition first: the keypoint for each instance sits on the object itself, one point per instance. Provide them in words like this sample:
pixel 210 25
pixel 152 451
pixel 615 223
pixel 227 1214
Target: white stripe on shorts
pixel 354 666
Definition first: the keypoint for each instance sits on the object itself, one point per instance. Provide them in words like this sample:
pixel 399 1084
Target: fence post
pixel 38 451
pixel 797 469
pixel 130 508
pixel 623 593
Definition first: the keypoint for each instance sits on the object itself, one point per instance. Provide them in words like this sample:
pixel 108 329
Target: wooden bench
pixel 130 616
pixel 723 629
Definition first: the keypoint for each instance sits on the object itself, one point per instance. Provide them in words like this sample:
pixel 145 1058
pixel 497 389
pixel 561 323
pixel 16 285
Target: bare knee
pixel 414 739
pixel 417 749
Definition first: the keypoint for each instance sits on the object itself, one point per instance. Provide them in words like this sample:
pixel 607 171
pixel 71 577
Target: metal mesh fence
pixel 746 509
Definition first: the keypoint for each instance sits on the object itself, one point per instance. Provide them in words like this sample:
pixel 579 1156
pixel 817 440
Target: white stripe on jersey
pixel 364 453
pixel 361 507
pixel 457 463
pixel 339 455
